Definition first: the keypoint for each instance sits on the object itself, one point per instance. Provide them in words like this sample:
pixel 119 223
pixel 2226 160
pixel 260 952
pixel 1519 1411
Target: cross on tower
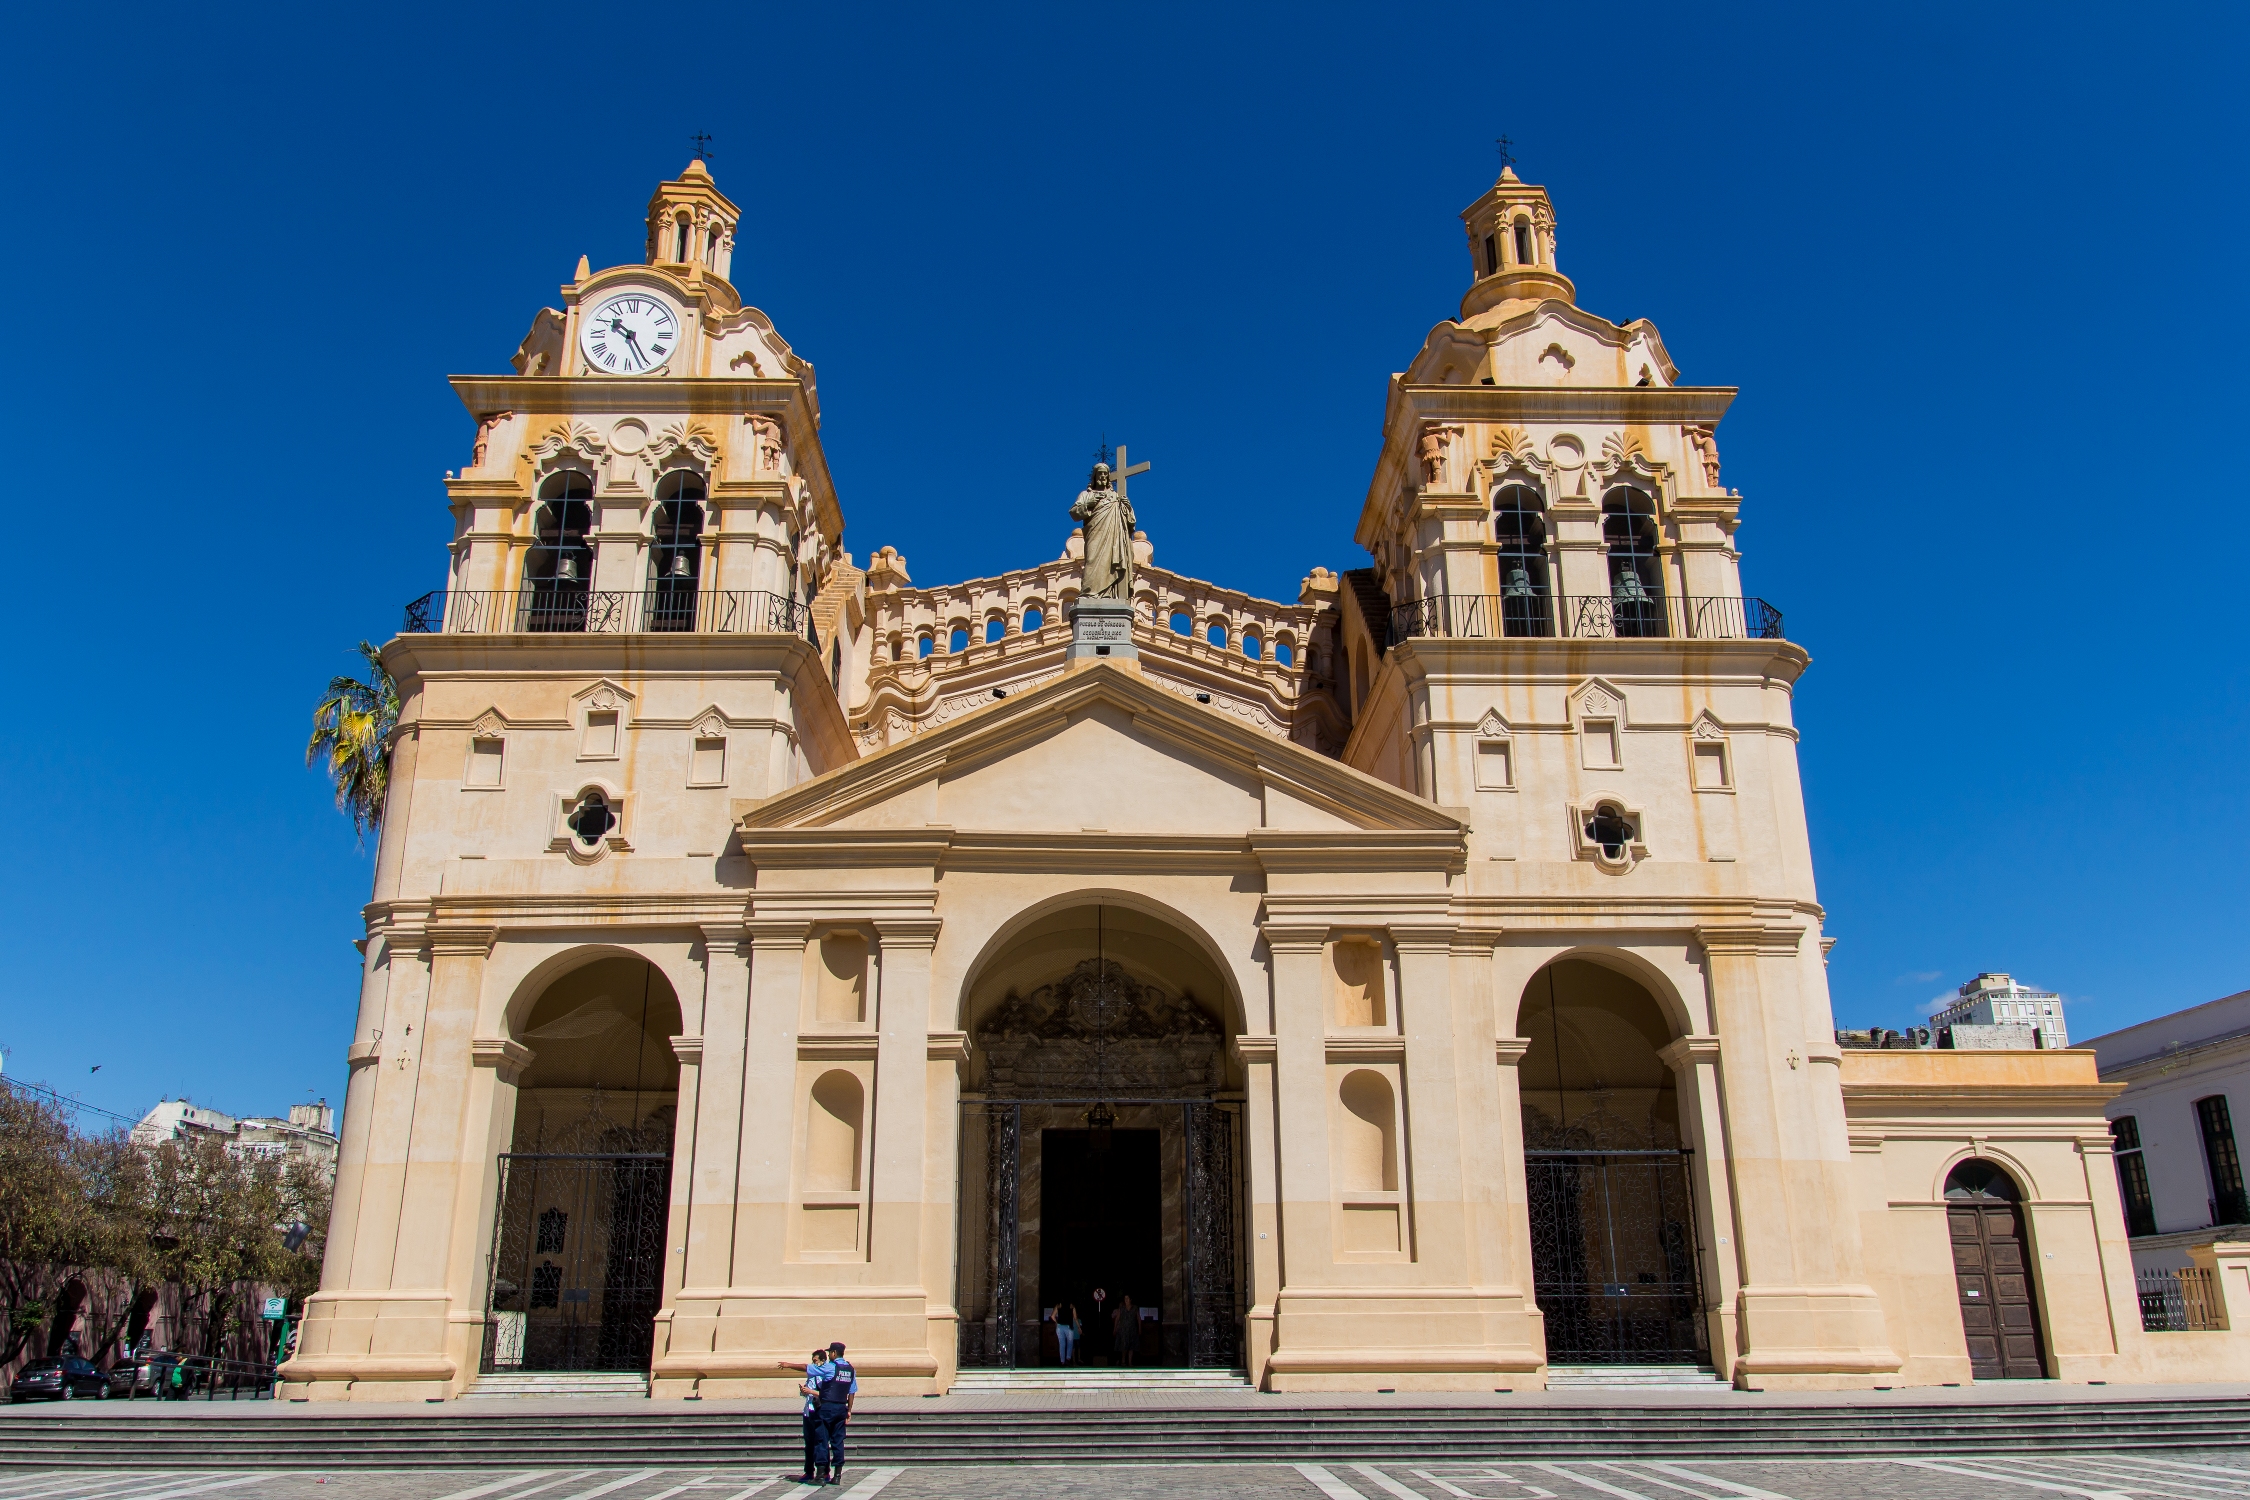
pixel 1507 157
pixel 702 141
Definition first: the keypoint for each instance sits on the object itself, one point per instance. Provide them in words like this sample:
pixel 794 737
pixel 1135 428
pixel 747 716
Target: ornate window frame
pixel 1630 853
pixel 564 839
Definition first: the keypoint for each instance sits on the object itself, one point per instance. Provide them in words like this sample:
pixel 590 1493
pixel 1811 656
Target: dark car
pixel 58 1380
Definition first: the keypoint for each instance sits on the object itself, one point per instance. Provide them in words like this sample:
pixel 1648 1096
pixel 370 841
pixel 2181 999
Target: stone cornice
pixel 908 933
pixel 949 1047
pixel 1952 1096
pixel 363 1054
pixel 506 1058
pixel 1297 851
pixel 461 940
pixel 1294 938
pixel 1682 1053
pixel 1752 941
pixel 842 1046
pixel 1377 1049
pixel 776 934
pixel 1631 405
pixel 1509 1051
pixel 1251 1050
pixel 689 1050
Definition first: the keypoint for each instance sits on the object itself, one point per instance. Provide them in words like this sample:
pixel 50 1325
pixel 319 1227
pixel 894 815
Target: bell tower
pixel 1512 247
pixel 691 225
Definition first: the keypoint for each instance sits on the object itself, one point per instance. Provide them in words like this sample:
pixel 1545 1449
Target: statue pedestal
pixel 1101 630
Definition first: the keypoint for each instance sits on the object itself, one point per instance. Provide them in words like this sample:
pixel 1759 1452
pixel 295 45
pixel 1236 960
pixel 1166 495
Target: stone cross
pixel 1125 471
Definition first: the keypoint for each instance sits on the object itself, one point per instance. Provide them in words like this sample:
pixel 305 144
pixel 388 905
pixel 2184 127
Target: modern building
pixel 1997 1001
pixel 767 948
pixel 2179 1166
pixel 308 1133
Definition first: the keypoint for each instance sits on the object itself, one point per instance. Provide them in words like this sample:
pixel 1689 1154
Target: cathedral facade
pixel 1418 984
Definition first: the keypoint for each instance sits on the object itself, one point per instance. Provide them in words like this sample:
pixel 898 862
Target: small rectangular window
pixel 601 734
pixel 1495 768
pixel 1597 739
pixel 2228 1202
pixel 486 758
pixel 1711 766
pixel 1491 257
pixel 2132 1176
pixel 709 767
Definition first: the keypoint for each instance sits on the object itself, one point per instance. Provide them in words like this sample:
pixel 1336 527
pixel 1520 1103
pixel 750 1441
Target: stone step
pixel 1003 1382
pixel 1241 1429
pixel 542 1384
pixel 1628 1377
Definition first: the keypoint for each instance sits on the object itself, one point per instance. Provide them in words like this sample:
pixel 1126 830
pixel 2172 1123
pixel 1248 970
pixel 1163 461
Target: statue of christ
pixel 1108 519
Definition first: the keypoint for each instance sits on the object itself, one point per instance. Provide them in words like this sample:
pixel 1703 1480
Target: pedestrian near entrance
pixel 1066 1332
pixel 839 1387
pixel 1126 1342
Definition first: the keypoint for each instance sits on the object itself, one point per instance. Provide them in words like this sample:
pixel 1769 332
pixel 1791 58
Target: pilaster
pixel 1694 1061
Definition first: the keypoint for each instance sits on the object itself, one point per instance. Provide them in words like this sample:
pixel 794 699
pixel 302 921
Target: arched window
pixel 1284 653
pixel 592 820
pixel 559 571
pixel 676 559
pixel 1181 624
pixel 682 242
pixel 1491 257
pixel 924 645
pixel 1636 587
pixel 1252 647
pixel 994 629
pixel 959 642
pixel 1217 634
pixel 1519 525
pixel 1523 243
pixel 1034 618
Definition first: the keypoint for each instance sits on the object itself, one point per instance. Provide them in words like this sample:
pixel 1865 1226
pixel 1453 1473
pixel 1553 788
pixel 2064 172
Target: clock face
pixel 630 334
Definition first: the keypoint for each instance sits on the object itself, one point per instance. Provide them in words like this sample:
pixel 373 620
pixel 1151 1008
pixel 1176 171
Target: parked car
pixel 58 1380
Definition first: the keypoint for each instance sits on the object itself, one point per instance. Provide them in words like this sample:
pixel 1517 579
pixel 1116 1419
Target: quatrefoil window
pixel 591 819
pixel 1610 830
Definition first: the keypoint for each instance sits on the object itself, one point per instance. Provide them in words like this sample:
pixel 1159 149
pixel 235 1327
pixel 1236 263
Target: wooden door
pixel 1993 1273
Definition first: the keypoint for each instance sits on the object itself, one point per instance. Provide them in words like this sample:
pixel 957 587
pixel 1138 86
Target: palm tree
pixel 352 729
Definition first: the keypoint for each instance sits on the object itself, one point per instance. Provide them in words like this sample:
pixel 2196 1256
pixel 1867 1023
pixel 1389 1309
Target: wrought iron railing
pixel 1587 617
pixel 573 609
pixel 2182 1301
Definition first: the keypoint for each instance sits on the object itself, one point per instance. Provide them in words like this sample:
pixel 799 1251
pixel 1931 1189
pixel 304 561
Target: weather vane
pixel 702 139
pixel 1507 157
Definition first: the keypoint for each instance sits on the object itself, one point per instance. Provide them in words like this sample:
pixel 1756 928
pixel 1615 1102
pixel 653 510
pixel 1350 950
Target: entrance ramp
pixel 1086 1381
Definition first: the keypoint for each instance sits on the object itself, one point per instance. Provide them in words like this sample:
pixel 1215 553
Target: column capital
pixel 776 932
pixel 1254 1049
pixel 506 1058
pixel 1294 937
pixel 908 932
pixel 1423 937
pixel 1682 1053
pixel 1751 940
pixel 723 937
pixel 949 1046
pixel 689 1050
pixel 1509 1050
pixel 461 941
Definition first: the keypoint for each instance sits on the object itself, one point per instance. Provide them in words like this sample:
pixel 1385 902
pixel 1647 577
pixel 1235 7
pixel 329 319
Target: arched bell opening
pixel 558 571
pixel 1992 1270
pixel 1519 527
pixel 1616 1263
pixel 1101 1147
pixel 577 1263
pixel 1636 582
pixel 676 556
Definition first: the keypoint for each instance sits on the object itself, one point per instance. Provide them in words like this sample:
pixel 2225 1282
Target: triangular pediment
pixel 1098 750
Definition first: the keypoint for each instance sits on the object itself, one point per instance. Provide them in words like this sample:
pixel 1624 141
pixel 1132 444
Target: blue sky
pixel 1976 270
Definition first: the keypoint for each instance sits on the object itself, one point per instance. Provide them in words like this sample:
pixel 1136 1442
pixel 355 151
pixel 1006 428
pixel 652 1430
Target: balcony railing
pixel 565 609
pixel 1586 617
pixel 2181 1301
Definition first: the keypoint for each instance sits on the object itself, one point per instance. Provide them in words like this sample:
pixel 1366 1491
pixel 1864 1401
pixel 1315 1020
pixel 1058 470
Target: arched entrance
pixel 1614 1253
pixel 578 1239
pixel 1101 1139
pixel 1992 1271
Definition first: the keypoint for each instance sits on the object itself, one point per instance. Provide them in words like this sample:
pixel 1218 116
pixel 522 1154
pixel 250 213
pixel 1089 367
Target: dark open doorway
pixel 1101 1225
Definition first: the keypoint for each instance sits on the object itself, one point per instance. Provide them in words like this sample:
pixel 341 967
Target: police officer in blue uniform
pixel 839 1387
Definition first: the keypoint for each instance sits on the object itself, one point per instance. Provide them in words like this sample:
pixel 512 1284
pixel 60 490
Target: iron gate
pixel 1210 1211
pixel 1614 1261
pixel 577 1261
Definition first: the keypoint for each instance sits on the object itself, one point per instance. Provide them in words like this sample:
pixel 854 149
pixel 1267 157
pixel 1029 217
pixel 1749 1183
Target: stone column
pixel 1694 1061
pixel 1259 1156
pixel 1431 1153
pixel 488 1117
pixel 705 1164
pixel 1809 1319
pixel 1581 559
pixel 901 1222
pixel 769 1102
pixel 390 1114
pixel 1300 1077
pixel 948 1056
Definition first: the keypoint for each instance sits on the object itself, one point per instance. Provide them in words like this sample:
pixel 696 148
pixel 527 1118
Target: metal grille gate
pixel 577 1260
pixel 1211 1212
pixel 1614 1257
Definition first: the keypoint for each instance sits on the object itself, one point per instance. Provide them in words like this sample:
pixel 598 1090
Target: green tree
pixel 63 1213
pixel 351 739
